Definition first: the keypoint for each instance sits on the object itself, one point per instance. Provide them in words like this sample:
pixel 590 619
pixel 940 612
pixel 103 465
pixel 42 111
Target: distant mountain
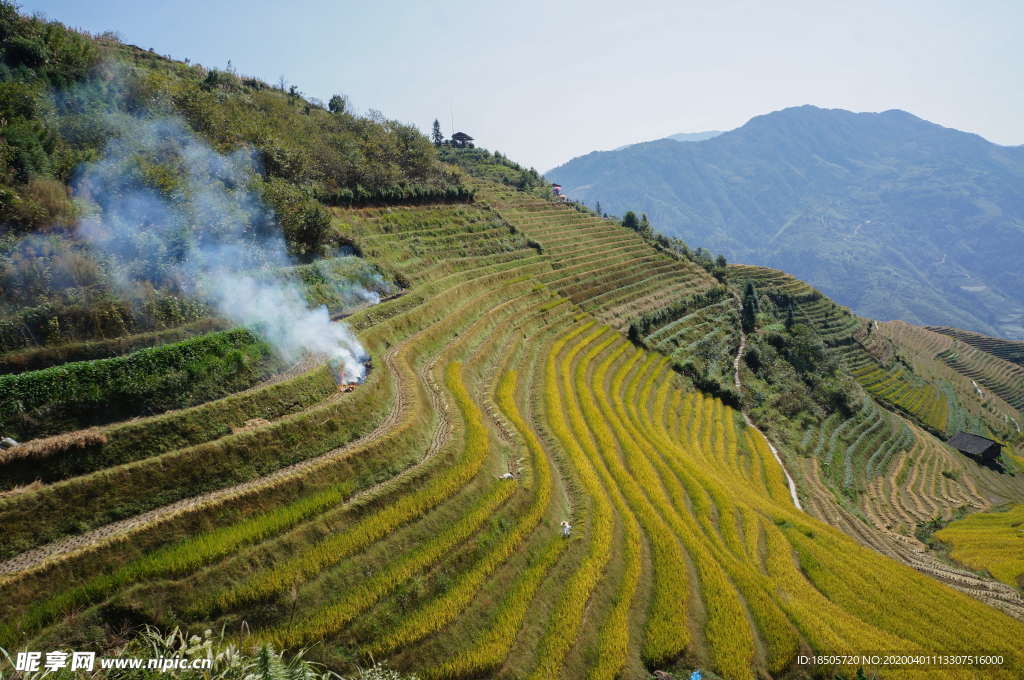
pixel 890 214
pixel 680 137
pixel 694 136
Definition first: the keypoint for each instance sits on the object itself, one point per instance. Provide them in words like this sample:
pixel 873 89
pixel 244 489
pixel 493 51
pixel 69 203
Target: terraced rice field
pixel 907 392
pixel 1001 377
pixel 854 451
pixel 991 541
pixel 989 389
pixel 1008 350
pixel 887 514
pixel 930 480
pixel 711 332
pixel 377 521
pixel 609 271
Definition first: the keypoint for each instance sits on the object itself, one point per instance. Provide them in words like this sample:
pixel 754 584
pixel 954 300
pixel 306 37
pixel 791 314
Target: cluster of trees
pixel 706 382
pixel 749 308
pixel 35 161
pixel 57 87
pixel 799 372
pixel 640 225
pixel 794 369
pixel 714 265
pixel 47 50
pixel 304 220
pixel 62 95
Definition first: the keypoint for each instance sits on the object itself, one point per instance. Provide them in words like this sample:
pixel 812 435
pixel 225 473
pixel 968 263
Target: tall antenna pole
pixel 451 113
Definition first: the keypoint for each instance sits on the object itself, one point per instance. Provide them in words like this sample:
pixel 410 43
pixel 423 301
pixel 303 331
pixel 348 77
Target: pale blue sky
pixel 547 81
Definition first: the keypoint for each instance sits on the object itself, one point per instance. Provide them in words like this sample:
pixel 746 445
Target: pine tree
pixel 436 135
pixel 630 221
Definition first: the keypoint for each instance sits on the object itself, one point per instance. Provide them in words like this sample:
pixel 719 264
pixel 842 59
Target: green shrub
pixel 36 358
pixel 151 380
pixel 303 220
pixel 402 194
pixel 496 167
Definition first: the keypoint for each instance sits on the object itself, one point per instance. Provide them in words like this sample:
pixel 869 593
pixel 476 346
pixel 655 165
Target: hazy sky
pixel 546 81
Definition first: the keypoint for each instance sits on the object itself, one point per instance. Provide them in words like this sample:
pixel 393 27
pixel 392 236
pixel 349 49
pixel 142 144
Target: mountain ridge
pixel 786 187
pixel 681 137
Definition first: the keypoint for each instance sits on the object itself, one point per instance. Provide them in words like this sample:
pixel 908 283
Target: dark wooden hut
pixel 980 448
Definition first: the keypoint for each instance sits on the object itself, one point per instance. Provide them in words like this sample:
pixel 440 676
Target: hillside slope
pixel 474 433
pixel 891 215
pixel 403 541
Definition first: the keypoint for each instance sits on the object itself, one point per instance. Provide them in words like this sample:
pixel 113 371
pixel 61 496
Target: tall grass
pixel 990 541
pixel 446 608
pixel 567 615
pixel 336 616
pixel 331 550
pixel 175 560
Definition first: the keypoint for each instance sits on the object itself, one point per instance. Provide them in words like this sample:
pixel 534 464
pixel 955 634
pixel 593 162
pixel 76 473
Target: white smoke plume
pixel 169 210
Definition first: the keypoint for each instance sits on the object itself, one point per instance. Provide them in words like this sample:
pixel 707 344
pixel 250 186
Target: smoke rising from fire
pixel 171 211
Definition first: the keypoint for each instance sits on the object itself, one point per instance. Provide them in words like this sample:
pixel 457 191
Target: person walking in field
pixel 566 529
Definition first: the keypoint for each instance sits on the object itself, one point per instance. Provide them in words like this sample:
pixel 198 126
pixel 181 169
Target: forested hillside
pixel 891 215
pixel 275 377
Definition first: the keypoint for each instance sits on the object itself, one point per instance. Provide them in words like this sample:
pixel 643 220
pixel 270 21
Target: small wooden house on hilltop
pixel 980 448
pixel 460 140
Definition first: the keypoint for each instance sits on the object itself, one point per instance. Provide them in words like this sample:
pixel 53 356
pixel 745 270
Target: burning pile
pixel 345 377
